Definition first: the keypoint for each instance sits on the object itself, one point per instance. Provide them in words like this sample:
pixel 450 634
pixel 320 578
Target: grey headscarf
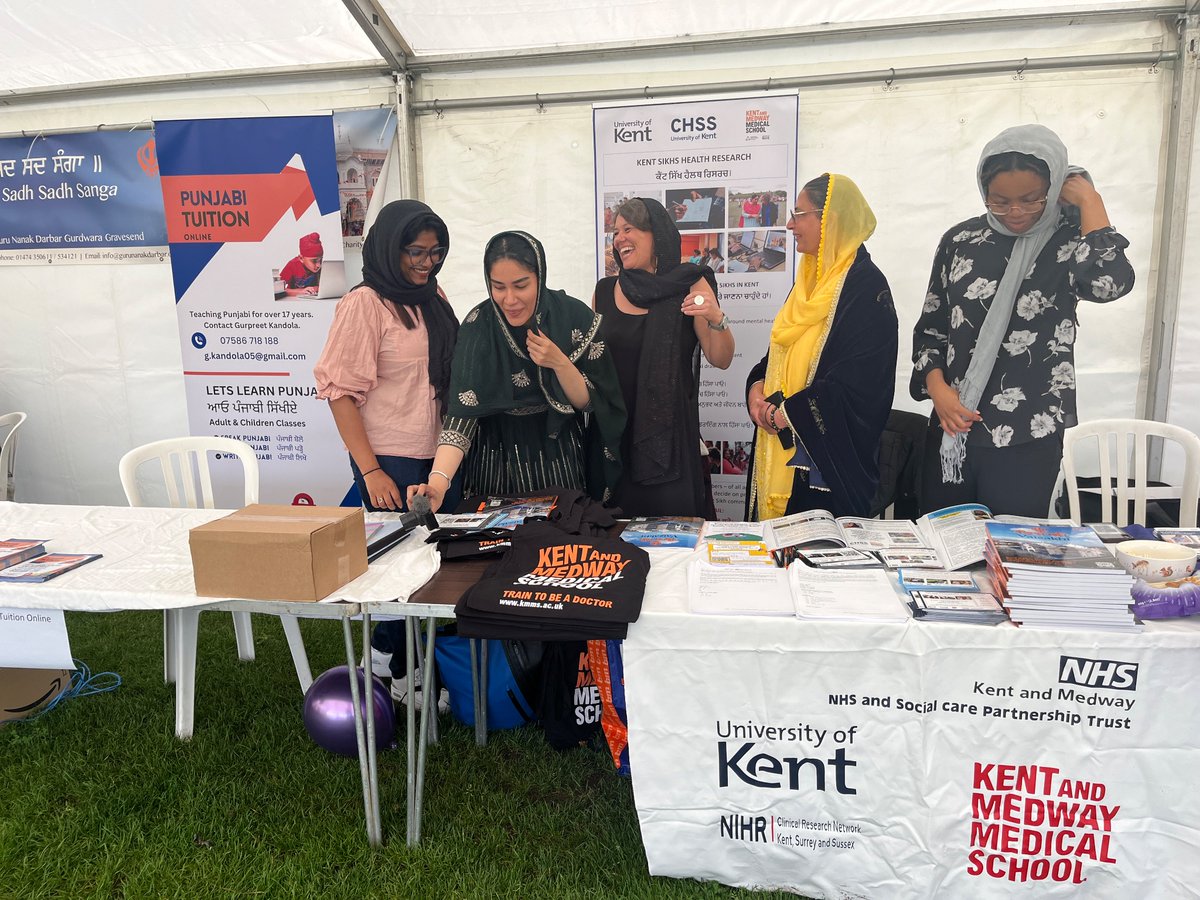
pixel 1041 142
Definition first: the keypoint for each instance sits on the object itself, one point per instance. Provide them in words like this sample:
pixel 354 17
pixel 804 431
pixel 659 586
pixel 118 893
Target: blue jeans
pixel 404 470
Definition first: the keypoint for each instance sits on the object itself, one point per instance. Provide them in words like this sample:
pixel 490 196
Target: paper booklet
pixel 937 580
pixel 1053 548
pixel 1188 537
pixel 837 558
pixel 663 531
pixel 819 528
pixel 17 550
pixel 45 567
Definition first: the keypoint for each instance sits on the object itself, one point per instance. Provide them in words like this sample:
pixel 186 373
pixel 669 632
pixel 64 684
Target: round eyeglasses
pixel 433 254
pixel 1005 209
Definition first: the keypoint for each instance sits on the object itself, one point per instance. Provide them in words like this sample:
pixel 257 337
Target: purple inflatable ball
pixel 329 712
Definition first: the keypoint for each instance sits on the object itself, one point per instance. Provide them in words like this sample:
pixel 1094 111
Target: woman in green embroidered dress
pixel 534 401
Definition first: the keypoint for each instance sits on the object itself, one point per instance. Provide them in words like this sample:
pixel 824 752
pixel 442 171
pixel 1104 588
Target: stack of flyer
pixel 944 596
pixel 1059 576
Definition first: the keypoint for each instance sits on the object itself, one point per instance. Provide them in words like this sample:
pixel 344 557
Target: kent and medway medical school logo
pixel 758 122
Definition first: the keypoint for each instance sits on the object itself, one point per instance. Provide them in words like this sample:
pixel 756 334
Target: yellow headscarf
pixel 801 327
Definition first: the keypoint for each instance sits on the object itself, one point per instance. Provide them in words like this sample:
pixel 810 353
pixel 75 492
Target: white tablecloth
pixel 915 760
pixel 146 562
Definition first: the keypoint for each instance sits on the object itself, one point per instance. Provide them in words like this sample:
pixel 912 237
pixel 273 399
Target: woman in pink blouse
pixel 385 368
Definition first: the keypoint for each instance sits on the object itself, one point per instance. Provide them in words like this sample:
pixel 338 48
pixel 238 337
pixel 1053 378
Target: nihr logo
pixel 632 132
pixel 1098 673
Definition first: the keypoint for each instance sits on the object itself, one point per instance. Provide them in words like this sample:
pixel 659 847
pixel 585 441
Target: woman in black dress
pixel 659 315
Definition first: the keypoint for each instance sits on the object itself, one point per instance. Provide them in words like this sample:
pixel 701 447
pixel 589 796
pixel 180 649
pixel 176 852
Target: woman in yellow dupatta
pixel 821 396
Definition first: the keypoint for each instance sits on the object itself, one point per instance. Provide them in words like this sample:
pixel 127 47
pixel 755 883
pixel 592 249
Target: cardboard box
pixel 268 552
pixel 24 691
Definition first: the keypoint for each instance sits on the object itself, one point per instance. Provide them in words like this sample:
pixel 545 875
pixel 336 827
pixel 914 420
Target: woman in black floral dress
pixel 994 346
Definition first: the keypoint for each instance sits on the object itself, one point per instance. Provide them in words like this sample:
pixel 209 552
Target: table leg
pixel 429 708
pixel 186 624
pixel 481 714
pixel 410 731
pixel 372 745
pixel 373 836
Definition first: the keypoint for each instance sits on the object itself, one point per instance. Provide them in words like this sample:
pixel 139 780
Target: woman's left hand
pixel 544 352
pixel 1077 191
pixel 698 303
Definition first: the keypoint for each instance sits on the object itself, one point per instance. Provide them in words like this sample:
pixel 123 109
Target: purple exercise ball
pixel 329 712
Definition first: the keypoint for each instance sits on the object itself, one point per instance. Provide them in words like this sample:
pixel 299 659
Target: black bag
pixel 570 708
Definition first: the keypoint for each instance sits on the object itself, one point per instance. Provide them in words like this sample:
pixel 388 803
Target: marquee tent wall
pixel 495 108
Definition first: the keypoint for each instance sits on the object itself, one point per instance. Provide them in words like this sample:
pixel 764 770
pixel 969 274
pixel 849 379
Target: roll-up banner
pixel 91 197
pixel 726 170
pixel 255 219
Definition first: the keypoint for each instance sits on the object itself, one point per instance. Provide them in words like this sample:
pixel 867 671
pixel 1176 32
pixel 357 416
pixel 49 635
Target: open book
pixel 958 533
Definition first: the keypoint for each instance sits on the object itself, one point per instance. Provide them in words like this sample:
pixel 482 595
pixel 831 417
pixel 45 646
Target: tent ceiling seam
pixel 1018 68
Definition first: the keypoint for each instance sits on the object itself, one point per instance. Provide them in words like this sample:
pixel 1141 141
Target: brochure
pixel 837 557
pixel 1188 537
pixel 739 553
pixel 846 595
pixel 47 566
pixel 819 528
pixel 17 550
pixel 952 606
pixel 663 531
pixel 917 558
pixel 1113 534
pixel 937 580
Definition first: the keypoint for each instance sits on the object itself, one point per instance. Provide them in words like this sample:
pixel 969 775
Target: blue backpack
pixel 513 680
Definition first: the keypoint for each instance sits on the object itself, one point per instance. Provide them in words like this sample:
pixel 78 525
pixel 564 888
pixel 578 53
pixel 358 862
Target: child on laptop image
pixel 302 275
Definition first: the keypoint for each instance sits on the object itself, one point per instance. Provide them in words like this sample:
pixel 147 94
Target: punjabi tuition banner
pixel 726 170
pixel 92 197
pixel 255 221
pixel 904 762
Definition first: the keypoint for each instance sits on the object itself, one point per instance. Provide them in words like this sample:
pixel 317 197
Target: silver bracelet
pixel 723 325
pixel 443 474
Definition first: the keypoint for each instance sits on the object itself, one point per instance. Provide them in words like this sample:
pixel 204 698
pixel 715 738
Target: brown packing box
pixel 24 691
pixel 266 552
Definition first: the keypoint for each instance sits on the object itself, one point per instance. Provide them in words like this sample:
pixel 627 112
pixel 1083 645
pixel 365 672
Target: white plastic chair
pixel 8 453
pixel 1122 447
pixel 183 463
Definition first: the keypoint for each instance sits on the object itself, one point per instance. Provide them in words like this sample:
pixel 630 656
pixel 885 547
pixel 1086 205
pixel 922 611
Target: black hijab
pixel 398 225
pixel 659 435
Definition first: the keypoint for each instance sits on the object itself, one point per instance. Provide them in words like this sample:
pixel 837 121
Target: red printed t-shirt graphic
pixel 217 209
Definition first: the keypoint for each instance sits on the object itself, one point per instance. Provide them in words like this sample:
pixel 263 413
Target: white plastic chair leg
pixel 244 632
pixel 168 646
pixel 291 630
pixel 187 622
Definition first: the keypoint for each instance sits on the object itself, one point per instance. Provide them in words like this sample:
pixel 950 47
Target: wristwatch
pixel 723 325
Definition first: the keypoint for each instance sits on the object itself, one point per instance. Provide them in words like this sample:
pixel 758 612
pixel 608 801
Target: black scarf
pixel 657 430
pixel 381 272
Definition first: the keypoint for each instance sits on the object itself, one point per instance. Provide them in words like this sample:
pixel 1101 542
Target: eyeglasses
pixel 1004 209
pixel 797 213
pixel 433 254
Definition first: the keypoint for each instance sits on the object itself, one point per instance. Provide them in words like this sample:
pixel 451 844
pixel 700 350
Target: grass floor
pixel 98 798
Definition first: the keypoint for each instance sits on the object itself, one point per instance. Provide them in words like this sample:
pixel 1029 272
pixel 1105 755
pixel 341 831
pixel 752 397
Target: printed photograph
pixel 703 249
pixel 756 251
pixel 758 209
pixel 695 209
pixel 361 141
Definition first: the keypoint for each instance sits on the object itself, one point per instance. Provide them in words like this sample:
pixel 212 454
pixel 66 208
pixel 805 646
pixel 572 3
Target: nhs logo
pixel 1097 673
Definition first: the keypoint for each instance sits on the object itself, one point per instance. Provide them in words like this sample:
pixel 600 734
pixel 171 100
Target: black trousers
pixel 1014 481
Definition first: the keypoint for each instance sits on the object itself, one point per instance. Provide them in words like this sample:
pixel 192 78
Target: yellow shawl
pixel 801 327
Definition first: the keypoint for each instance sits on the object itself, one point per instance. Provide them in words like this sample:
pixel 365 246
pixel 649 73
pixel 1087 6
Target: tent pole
pixel 1164 309
pixel 406 126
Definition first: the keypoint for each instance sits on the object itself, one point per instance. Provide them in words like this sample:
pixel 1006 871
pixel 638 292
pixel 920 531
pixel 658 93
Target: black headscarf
pixel 398 225
pixel 658 434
